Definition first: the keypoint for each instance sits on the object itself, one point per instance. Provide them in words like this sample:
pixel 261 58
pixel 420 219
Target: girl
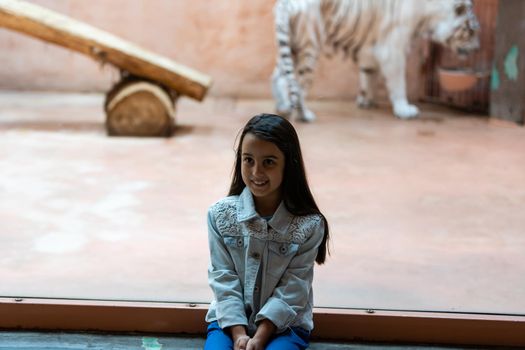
pixel 264 238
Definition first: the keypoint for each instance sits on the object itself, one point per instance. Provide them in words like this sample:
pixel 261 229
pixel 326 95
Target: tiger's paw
pixel 284 109
pixel 364 102
pixel 283 112
pixel 405 111
pixel 306 116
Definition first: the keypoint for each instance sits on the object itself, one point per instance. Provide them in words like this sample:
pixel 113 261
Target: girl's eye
pixel 247 160
pixel 269 162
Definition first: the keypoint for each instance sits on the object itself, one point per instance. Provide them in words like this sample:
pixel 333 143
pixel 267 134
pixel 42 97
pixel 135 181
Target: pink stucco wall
pixel 230 40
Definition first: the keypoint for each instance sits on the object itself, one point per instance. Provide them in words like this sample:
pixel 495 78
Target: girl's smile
pixel 259 183
pixel 262 172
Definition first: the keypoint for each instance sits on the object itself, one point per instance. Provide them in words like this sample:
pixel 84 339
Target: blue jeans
pixel 293 339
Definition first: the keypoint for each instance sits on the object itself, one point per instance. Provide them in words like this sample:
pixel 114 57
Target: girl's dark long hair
pixel 296 193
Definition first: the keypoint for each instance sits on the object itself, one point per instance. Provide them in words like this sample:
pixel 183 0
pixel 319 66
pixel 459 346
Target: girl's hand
pixel 255 344
pixel 264 332
pixel 239 337
pixel 241 342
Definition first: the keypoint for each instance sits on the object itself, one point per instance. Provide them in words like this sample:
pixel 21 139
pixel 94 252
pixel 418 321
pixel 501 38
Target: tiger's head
pixel 456 26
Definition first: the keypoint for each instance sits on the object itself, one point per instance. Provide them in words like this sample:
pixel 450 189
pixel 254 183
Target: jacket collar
pixel 280 220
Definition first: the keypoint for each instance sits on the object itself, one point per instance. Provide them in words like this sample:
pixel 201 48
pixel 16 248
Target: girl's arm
pixel 292 292
pixel 265 330
pixel 239 337
pixel 224 281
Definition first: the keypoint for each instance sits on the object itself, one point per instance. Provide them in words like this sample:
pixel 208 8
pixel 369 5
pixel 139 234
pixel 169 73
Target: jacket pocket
pixel 279 256
pixel 236 246
pixel 283 249
pixel 234 241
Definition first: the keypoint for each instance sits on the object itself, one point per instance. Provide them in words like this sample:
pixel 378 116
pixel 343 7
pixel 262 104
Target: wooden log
pixel 53 27
pixel 136 107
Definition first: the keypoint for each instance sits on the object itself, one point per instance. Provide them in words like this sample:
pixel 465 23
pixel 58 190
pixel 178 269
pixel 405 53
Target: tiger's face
pixel 458 27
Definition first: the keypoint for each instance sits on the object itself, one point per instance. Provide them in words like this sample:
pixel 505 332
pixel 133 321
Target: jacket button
pixel 256 289
pixel 256 255
pixel 239 242
pixel 283 249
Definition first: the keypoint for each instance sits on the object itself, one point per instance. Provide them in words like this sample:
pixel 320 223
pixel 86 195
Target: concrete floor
pixel 425 214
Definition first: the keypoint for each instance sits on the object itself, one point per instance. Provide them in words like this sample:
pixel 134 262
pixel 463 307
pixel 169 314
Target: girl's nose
pixel 257 169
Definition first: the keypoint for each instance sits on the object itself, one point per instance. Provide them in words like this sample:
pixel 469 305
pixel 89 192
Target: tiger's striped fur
pixel 376 34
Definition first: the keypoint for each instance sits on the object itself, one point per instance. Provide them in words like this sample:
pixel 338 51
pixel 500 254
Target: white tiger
pixel 375 33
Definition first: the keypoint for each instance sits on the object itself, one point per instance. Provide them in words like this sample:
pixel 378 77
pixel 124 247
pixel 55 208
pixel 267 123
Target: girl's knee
pixel 216 339
pixel 289 340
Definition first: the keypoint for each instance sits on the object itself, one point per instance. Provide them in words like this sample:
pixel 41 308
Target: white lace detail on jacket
pixel 301 228
pixel 225 213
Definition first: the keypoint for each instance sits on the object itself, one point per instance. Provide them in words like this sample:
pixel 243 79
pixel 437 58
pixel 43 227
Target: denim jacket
pixel 261 269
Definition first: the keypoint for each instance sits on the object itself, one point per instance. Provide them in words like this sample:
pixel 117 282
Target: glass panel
pixel 424 215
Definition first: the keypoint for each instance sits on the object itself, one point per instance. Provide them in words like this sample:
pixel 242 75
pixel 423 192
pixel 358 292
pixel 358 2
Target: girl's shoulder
pixel 224 213
pixel 224 204
pixel 302 227
pixel 307 220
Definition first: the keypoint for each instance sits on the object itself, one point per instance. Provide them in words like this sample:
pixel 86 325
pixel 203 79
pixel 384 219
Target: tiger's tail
pixel 285 88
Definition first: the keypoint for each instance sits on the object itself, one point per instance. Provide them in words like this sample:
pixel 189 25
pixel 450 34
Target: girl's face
pixel 262 170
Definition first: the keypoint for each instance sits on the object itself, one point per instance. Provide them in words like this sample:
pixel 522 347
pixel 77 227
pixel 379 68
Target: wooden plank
pixel 53 27
pixel 508 80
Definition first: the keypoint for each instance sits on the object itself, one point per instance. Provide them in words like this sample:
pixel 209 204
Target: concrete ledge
pixel 75 341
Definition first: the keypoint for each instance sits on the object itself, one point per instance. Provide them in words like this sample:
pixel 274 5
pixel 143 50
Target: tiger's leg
pixel 281 93
pixel 368 85
pixel 392 60
pixel 368 75
pixel 305 66
pixel 289 93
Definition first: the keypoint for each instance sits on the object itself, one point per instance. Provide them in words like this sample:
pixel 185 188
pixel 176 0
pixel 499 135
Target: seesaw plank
pixel 59 29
